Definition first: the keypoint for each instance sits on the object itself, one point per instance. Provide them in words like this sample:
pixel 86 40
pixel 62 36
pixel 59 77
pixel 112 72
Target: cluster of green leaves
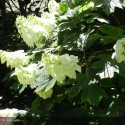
pixel 91 34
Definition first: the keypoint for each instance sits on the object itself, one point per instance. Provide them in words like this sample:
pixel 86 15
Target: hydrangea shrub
pixel 71 46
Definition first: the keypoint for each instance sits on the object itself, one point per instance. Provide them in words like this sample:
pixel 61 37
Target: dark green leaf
pixel 73 112
pixel 77 2
pixel 111 33
pixel 35 106
pixel 66 25
pixel 75 42
pixel 122 82
pixel 100 64
pixel 92 94
pixel 80 82
pixel 22 89
pixel 115 107
pixel 106 83
pixel 16 86
pixel 43 81
pixel 50 84
pixel 91 40
pixel 74 91
pixel 111 30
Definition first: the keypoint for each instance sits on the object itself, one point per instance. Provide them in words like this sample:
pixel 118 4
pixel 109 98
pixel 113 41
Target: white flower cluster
pixel 14 59
pixel 26 75
pixel 119 47
pixel 35 29
pixel 11 112
pixel 45 94
pixel 54 7
pixel 61 66
pixel 8 115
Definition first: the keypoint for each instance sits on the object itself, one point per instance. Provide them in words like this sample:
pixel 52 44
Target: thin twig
pixel 87 67
pixel 14 5
pixel 10 7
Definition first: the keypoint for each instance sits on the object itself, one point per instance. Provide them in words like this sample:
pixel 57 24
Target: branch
pixel 10 7
pixel 15 5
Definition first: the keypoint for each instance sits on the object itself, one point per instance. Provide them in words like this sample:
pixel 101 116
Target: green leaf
pixel 111 5
pixel 77 2
pixel 105 67
pixel 111 30
pixel 7 77
pixel 71 13
pixel 68 2
pixel 108 71
pixel 43 82
pixel 74 91
pixel 50 84
pixel 92 94
pixel 35 106
pixel 76 42
pixel 91 40
pixel 106 83
pixel 72 112
pixel 77 88
pixel 86 7
pixel 116 107
pixel 63 7
pixel 100 64
pixel 122 82
pixel 108 5
pixel 22 89
pixel 111 33
pixel 66 25
pixel 96 18
pixel 16 86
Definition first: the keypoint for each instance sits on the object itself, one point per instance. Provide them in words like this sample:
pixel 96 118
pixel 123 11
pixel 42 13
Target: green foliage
pixel 63 8
pixel 109 33
pixel 92 94
pixel 109 5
